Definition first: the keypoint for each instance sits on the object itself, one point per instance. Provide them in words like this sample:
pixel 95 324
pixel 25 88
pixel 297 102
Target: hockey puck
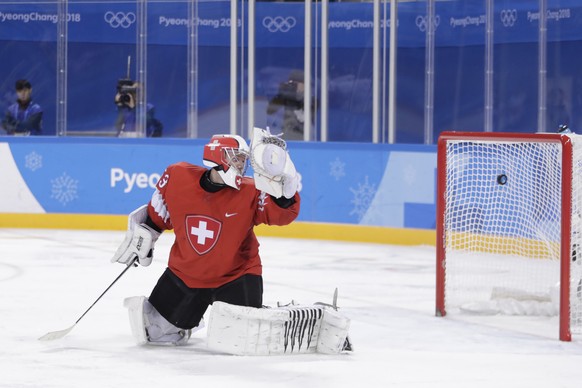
pixel 501 179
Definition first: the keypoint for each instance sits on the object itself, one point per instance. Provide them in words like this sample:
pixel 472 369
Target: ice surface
pixel 48 278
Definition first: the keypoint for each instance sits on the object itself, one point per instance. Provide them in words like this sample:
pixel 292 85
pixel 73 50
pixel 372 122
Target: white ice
pixel 48 278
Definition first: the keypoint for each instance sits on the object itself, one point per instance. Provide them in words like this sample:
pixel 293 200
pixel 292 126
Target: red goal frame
pixel 566 208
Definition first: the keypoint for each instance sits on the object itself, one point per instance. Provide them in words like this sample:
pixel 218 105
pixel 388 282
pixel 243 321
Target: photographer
pixel 126 101
pixel 23 118
pixel 290 98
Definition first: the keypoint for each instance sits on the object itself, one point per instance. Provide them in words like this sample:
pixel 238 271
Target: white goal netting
pixel 503 226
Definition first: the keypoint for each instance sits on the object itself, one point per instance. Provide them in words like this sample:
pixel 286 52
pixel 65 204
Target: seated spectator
pixel 24 117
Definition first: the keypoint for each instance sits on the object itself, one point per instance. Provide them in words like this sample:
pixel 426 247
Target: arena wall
pixel 350 191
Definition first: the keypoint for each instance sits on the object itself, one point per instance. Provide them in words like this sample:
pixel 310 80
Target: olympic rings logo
pixel 422 22
pixel 508 17
pixel 119 19
pixel 279 23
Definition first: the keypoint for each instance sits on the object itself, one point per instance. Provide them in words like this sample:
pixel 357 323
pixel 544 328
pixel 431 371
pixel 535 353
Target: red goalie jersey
pixel 215 242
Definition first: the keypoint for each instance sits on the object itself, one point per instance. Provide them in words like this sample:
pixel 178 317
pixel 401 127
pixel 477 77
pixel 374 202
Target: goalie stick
pixel 54 335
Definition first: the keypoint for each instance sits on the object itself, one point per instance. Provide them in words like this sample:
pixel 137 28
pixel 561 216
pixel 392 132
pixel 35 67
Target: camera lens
pixel 125 98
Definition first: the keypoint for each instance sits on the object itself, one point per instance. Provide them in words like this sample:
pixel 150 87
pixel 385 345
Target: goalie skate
pixel 148 327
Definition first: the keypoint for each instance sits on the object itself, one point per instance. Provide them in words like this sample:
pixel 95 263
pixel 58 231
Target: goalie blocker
pixel 252 331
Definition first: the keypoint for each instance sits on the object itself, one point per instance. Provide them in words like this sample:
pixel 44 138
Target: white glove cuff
pixel 290 186
pixel 137 217
pixel 137 244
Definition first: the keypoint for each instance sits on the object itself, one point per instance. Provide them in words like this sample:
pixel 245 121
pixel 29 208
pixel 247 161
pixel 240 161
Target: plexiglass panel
pixel 101 52
pixel 175 56
pixel 516 66
pixel 564 65
pixel 350 71
pixel 459 66
pixel 28 48
pixel 279 67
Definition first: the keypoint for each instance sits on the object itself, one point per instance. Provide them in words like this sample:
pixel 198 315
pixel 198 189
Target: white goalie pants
pixel 149 327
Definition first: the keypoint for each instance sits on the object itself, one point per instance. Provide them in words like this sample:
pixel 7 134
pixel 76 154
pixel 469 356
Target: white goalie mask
pixel 228 154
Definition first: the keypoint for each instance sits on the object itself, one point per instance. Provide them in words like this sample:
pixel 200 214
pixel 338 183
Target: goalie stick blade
pixel 54 335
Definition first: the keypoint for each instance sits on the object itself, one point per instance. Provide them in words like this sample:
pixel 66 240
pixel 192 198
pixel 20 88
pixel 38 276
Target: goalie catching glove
pixel 274 171
pixel 139 240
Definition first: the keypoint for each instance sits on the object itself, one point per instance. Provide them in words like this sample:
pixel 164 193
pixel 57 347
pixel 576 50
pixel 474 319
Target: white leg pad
pixel 286 330
pixel 134 307
pixel 333 332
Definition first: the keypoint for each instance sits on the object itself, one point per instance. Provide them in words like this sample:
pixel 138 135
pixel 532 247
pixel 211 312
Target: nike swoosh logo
pixel 230 214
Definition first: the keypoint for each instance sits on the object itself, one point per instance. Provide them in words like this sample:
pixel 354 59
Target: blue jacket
pixel 126 121
pixel 23 119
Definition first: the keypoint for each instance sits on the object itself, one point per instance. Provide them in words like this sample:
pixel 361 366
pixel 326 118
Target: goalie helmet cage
pixel 509 218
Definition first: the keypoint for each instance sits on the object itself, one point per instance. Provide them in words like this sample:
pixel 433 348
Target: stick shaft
pixel 61 333
pixel 107 289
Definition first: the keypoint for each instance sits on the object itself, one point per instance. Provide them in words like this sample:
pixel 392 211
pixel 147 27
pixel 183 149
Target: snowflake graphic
pixel 64 189
pixel 33 161
pixel 336 169
pixel 363 196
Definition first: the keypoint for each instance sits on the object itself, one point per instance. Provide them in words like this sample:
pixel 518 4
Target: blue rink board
pixel 351 183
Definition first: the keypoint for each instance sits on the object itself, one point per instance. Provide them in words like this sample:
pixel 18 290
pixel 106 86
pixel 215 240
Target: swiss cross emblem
pixel 213 145
pixel 202 232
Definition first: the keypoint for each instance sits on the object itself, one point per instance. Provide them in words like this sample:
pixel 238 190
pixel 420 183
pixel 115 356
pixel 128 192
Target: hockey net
pixel 509 214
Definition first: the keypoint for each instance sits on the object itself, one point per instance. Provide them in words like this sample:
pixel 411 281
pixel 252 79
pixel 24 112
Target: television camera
pixel 126 89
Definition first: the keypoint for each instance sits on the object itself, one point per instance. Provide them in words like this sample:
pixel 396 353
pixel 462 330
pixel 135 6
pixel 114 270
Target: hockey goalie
pixel 215 260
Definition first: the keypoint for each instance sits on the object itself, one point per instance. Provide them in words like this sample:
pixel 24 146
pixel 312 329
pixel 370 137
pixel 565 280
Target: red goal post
pixel 508 225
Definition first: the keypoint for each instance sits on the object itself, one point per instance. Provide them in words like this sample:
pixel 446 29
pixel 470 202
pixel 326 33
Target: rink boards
pixel 350 191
